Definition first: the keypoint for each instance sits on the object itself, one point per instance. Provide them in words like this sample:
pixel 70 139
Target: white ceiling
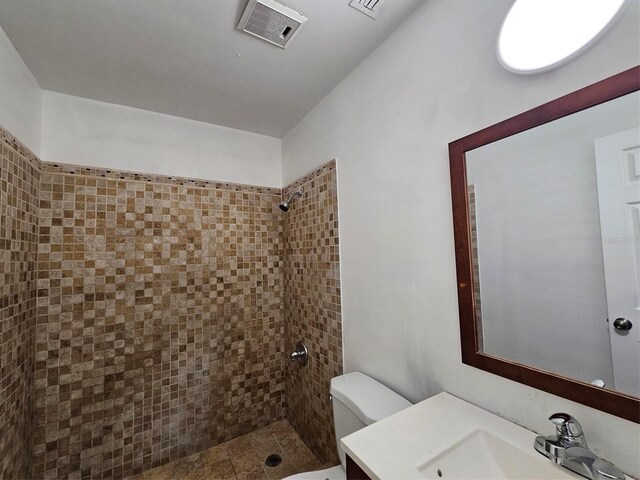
pixel 185 57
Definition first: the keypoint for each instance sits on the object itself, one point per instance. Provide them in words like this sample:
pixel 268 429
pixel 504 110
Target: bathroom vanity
pixel 445 437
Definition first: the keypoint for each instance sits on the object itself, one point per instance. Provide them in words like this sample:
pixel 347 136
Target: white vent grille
pixel 368 7
pixel 271 22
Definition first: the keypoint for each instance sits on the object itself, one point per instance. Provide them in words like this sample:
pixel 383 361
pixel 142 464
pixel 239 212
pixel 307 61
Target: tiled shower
pixel 312 306
pixel 144 317
pixel 19 212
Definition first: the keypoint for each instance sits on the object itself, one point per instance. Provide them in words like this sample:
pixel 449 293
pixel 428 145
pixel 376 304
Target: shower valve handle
pixel 300 355
pixel 296 355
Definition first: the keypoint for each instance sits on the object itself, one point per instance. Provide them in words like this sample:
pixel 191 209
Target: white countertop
pixel 397 446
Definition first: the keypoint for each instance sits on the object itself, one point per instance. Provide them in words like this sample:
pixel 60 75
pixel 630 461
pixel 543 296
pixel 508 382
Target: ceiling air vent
pixel 271 21
pixel 368 7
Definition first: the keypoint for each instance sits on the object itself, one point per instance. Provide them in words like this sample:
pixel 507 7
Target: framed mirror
pixel 546 210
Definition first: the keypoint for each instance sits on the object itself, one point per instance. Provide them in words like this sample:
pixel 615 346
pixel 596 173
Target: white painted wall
pixel 20 97
pixel 87 132
pixel 68 129
pixel 540 248
pixel 388 124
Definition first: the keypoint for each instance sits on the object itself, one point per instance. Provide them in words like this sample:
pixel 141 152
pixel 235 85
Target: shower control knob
pixel 300 355
pixel 622 324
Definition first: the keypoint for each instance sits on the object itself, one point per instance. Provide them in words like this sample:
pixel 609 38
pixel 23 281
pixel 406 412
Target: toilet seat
pixel 333 473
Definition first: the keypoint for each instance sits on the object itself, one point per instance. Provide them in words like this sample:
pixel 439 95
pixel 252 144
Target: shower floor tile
pixel 243 458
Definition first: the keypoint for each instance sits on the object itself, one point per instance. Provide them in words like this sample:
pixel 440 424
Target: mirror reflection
pixel 555 227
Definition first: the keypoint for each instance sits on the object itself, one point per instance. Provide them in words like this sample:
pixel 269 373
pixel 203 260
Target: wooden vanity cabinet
pixel 354 472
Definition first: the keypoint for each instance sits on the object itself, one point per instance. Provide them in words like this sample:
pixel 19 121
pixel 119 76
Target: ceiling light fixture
pixel 540 35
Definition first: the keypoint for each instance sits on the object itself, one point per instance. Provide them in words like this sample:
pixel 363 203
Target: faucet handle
pixel 566 425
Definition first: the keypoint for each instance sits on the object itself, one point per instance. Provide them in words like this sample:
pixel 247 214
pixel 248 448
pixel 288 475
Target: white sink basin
pixel 445 437
pixel 482 455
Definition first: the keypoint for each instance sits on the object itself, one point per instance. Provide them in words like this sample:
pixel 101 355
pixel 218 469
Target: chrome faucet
pixel 568 448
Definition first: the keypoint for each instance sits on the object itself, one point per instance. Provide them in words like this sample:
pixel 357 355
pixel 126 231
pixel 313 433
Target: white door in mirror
pixel 540 35
pixel 618 177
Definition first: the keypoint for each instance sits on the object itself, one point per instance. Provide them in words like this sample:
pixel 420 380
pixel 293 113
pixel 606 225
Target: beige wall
pixel 388 124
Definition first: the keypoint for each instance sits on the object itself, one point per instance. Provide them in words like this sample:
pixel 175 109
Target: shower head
pixel 284 206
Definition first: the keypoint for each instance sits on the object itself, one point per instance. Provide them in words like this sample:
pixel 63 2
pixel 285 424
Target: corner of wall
pixel 20 97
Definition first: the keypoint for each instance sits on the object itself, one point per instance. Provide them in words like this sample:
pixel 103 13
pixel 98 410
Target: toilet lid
pixel 368 399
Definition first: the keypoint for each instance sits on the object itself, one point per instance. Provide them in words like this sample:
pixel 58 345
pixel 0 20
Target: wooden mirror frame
pixel 609 401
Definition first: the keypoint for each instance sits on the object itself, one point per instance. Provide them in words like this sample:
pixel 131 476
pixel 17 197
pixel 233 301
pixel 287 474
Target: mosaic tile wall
pixel 473 223
pixel 19 178
pixel 312 306
pixel 142 317
pixel 160 326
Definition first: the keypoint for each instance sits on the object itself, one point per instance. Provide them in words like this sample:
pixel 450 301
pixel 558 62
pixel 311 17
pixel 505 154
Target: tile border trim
pixel 327 167
pixel 11 141
pixel 20 148
pixel 127 175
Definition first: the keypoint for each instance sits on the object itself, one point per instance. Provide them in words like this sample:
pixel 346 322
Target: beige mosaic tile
pixel 160 320
pixel 313 306
pixel 142 320
pixel 473 223
pixel 243 458
pixel 19 180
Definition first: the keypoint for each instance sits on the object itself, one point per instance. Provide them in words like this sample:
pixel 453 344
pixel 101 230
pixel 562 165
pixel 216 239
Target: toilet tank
pixel 358 401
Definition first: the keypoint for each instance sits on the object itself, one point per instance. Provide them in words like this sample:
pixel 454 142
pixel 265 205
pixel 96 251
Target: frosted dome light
pixel 539 35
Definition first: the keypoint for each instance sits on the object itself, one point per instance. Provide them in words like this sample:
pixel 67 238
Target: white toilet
pixel 358 401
